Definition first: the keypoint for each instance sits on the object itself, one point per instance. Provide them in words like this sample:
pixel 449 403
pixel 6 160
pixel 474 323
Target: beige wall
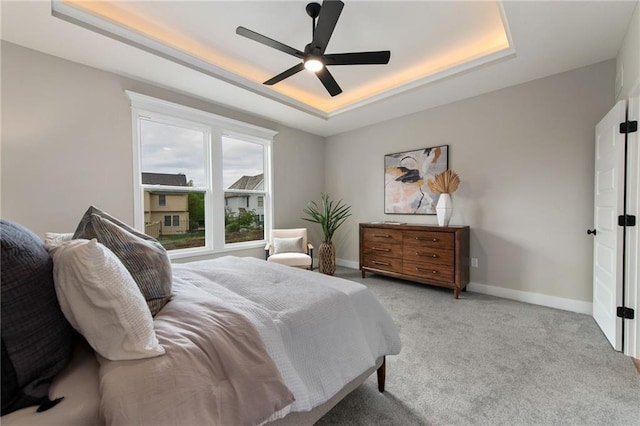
pixel 525 155
pixel 628 60
pixel 66 144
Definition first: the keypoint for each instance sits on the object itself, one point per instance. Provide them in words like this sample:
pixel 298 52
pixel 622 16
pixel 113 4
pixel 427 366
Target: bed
pixel 243 341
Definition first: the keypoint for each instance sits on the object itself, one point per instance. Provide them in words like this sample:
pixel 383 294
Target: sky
pixel 171 149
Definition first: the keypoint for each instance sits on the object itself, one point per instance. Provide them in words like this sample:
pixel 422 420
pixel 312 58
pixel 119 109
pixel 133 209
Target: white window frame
pixel 215 127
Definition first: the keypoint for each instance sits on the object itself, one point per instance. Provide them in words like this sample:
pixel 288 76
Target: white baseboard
pixel 533 298
pixel 519 295
pixel 348 263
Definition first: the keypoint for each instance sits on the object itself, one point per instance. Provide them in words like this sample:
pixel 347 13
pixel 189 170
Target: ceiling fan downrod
pixel 313 10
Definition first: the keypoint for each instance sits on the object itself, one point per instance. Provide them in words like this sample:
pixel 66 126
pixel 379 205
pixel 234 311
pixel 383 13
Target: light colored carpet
pixel 482 360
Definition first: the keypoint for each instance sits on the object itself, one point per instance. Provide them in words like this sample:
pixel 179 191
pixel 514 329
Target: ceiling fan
pixel 313 57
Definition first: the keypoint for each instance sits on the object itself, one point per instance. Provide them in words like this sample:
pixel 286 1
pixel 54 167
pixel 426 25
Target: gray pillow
pixel 142 255
pixel 36 337
pixel 287 245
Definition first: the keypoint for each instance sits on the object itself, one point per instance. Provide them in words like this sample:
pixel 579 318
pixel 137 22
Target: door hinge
pixel 625 313
pixel 628 127
pixel 626 220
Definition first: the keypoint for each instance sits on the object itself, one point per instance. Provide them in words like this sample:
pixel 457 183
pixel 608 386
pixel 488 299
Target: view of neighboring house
pixel 239 203
pixel 166 212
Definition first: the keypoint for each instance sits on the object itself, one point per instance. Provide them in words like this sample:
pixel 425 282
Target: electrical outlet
pixel 474 262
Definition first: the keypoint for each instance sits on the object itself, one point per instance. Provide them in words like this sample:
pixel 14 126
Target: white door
pixel 608 204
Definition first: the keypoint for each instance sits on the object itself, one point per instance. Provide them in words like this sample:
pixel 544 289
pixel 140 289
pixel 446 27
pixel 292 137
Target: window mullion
pixel 138 191
pixel 216 206
pixel 268 190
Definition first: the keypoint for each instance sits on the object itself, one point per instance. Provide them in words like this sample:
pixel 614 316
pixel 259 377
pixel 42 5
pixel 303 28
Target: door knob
pixel 591 231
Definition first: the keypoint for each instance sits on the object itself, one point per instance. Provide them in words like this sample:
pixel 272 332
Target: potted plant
pixel 330 216
pixel 445 184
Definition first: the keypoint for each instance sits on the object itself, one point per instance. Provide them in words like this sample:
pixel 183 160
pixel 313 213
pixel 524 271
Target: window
pixel 214 173
pixel 243 181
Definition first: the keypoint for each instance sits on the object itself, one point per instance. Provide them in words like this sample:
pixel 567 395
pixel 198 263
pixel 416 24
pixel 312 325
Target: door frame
pixel 632 244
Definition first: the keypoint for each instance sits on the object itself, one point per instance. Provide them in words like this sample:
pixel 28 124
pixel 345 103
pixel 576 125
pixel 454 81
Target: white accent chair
pixel 290 247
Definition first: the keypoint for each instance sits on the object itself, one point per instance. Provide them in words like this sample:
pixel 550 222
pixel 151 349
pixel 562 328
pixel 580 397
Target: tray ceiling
pixel 441 51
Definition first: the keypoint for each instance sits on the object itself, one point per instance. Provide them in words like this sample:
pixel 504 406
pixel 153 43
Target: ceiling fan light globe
pixel 313 64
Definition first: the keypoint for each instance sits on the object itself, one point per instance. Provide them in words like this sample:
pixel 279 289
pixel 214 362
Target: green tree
pixel 247 219
pixel 195 205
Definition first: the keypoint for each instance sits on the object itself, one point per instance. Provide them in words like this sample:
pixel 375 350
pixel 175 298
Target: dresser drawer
pixel 429 271
pixel 383 263
pixel 382 235
pixel 430 255
pixel 429 239
pixel 378 248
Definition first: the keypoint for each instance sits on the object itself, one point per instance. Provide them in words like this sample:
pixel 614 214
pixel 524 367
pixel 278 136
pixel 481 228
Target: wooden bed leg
pixel 382 374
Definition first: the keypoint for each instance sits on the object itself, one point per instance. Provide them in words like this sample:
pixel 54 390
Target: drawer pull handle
pixel 435 240
pixel 379 249
pixel 426 270
pixel 375 262
pixel 382 235
pixel 427 255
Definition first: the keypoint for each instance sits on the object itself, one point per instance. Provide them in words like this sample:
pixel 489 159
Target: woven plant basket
pixel 327 255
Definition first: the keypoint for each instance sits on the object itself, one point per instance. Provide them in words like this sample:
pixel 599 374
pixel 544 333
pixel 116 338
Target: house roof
pixel 249 182
pixel 164 179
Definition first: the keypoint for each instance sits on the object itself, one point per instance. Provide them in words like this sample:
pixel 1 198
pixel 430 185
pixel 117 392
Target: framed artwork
pixel 405 179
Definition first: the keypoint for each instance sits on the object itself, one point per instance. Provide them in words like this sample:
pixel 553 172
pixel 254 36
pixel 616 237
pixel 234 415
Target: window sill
pixel 186 254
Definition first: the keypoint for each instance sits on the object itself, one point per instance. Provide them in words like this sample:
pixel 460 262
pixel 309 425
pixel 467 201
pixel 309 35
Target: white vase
pixel 444 209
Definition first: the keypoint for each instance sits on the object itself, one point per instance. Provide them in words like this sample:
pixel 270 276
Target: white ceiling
pixel 440 51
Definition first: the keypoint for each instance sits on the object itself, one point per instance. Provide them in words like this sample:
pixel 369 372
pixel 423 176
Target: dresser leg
pixel 362 270
pixel 456 293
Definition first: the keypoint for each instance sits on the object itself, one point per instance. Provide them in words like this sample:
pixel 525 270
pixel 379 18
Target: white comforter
pixel 321 331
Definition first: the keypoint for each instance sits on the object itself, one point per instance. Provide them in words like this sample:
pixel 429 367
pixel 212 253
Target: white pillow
pixel 287 245
pixel 101 300
pixel 54 239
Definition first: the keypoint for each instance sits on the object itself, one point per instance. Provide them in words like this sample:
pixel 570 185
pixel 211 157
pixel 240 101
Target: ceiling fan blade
pixel 269 42
pixel 358 58
pixel 327 20
pixel 288 73
pixel 329 82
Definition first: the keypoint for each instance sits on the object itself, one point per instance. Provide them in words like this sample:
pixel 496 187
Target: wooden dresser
pixel 424 254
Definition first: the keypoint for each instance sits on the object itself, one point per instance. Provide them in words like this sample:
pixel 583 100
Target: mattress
pixel 79 385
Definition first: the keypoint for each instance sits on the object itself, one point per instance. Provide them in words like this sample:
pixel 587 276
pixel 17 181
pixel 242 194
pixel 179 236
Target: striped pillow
pixel 142 255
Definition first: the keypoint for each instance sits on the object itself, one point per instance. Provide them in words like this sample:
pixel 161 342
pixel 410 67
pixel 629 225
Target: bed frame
pixel 310 417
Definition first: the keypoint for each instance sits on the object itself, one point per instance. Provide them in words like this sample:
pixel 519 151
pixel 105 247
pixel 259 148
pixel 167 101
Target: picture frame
pixel 405 179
